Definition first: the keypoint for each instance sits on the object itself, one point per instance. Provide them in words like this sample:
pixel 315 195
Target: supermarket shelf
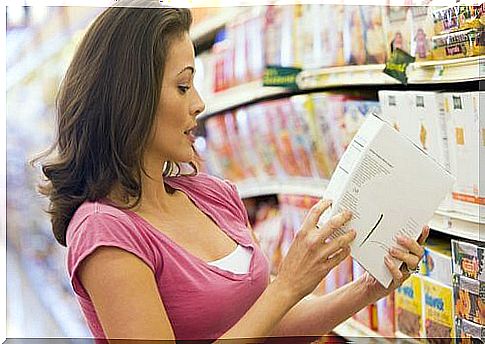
pixel 344 76
pixel 457 224
pixel 207 27
pixel 427 72
pixel 291 186
pixel 240 95
pixel 447 71
pixel 352 329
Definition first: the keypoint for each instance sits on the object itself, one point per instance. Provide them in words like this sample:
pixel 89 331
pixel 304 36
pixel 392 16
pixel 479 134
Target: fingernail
pixel 394 250
pixel 401 239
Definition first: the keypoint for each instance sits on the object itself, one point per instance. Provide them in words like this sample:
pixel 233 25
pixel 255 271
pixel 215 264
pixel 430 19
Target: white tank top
pixel 237 261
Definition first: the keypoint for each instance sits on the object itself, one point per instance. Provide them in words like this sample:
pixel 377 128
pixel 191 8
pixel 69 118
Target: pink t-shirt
pixel 202 301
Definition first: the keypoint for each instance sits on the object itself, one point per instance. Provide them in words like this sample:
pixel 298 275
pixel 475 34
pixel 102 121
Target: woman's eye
pixel 183 89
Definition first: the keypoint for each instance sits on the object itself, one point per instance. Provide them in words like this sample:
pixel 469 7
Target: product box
pixel 409 307
pixel 233 141
pixel 466 143
pixel 374 35
pixel 398 28
pixel 273 35
pixel 422 31
pixel 254 34
pixel 469 295
pixel 458 17
pixel 468 260
pixel 309 38
pixel 246 144
pixel 353 36
pixel 438 311
pixel 368 315
pixel 332 39
pixel 392 103
pixel 355 111
pixel 468 332
pixel 436 262
pixel 386 316
pixel 458 44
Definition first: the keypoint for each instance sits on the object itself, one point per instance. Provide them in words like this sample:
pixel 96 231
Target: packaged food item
pixel 353 36
pixel 332 39
pixel 223 51
pixel 354 113
pixel 368 315
pixel 392 103
pixel 458 17
pixel 469 297
pixel 408 303
pixel 309 41
pixel 436 262
pixel 468 332
pixel 466 142
pixel 273 35
pixel 374 35
pixel 422 31
pixel 468 259
pixel 386 316
pixel 246 144
pixel 458 44
pixel 438 312
pixel 255 46
pixel 398 28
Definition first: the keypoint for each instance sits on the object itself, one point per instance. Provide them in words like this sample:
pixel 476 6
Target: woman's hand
pixel 311 257
pixel 410 259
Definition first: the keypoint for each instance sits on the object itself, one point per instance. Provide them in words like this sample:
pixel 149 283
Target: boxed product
pixel 398 28
pixel 392 103
pixel 436 262
pixel 237 31
pixel 368 315
pixel 255 46
pixel 354 113
pixel 246 144
pixel 353 36
pixel 466 143
pixel 438 311
pixel 273 35
pixel 422 31
pixel 458 17
pixel 466 330
pixel 458 44
pixel 374 35
pixel 386 316
pixel 332 42
pixel 468 260
pixel 469 295
pixel 408 303
pixel 425 124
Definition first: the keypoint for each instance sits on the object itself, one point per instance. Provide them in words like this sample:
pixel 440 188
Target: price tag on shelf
pixel 439 72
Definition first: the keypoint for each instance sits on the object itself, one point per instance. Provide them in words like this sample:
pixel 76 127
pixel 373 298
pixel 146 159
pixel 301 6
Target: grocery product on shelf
pixel 458 17
pixel 437 260
pixel 374 35
pixel 353 36
pixel 466 330
pixel 469 296
pixel 438 311
pixel 386 316
pixel 468 259
pixel 422 31
pixel 392 103
pixel 408 307
pixel 458 44
pixel 466 132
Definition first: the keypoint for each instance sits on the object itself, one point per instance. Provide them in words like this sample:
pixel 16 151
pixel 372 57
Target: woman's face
pixel 179 104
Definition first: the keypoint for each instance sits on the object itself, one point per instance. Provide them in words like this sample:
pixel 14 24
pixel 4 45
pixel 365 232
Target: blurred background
pixel 280 145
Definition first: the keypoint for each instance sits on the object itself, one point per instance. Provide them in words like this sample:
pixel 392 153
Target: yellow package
pixel 409 307
pixel 458 44
pixel 438 311
pixel 458 17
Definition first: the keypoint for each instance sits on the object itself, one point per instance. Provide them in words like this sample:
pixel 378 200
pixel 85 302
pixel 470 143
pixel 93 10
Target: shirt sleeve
pixel 241 210
pixel 101 229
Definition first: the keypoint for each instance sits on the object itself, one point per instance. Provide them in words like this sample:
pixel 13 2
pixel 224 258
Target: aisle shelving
pixel 293 186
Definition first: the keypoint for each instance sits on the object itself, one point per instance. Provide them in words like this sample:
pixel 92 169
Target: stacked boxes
pixel 408 305
pixel 469 289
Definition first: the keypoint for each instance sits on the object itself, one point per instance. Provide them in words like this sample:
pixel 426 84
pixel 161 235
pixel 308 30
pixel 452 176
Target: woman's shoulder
pixel 205 183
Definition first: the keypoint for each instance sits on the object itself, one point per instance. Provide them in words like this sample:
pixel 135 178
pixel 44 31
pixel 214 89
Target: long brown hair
pixel 106 107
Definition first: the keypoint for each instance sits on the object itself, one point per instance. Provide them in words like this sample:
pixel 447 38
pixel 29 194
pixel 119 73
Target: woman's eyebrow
pixel 187 68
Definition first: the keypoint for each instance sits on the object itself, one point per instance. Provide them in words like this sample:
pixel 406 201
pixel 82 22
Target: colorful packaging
pixel 374 35
pixel 466 143
pixel 458 44
pixel 309 41
pixel 255 46
pixel 246 144
pixel 437 262
pixel 354 114
pixel 398 28
pixel 469 297
pixel 422 31
pixel 353 36
pixel 273 35
pixel 332 41
pixel 409 307
pixel 468 260
pixel 438 312
pixel 386 316
pixel 458 17
pixel 233 141
pixel 467 330
pixel 368 315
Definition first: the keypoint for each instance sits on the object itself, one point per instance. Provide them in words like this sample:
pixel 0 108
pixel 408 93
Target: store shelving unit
pixel 428 72
pixel 458 224
pixel 293 186
pixel 240 95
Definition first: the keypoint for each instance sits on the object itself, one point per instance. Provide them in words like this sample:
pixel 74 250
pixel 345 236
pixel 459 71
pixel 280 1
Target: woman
pixel 147 250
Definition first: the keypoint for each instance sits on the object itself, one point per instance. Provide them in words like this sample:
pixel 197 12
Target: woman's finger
pixel 411 245
pixel 338 243
pixel 314 214
pixel 424 235
pixel 334 224
pixel 409 259
pixel 337 258
pixel 393 269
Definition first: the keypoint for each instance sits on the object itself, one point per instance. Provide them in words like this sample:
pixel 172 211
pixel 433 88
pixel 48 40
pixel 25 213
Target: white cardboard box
pixel 391 186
